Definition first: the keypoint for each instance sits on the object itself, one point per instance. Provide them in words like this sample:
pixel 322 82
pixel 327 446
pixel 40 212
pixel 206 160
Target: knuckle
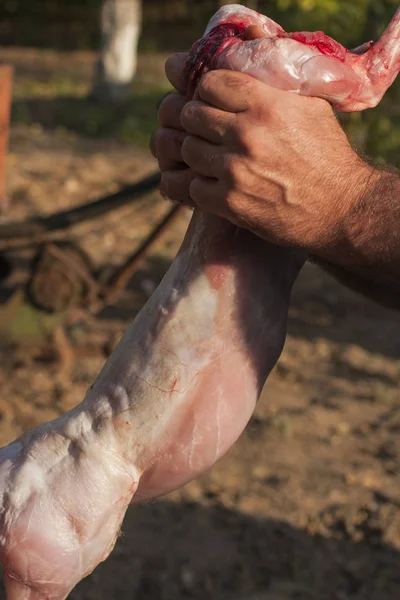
pixel 226 199
pixel 196 193
pixel 170 108
pixel 162 110
pixel 162 99
pixel 188 148
pixel 229 79
pixel 271 111
pixel 167 147
pixel 208 81
pixel 175 143
pixel 235 171
pixel 185 150
pixel 155 142
pixel 186 114
pixel 186 144
pixel 235 79
pixel 230 202
pixel 245 137
pixel 162 144
pixel 263 105
pixel 189 113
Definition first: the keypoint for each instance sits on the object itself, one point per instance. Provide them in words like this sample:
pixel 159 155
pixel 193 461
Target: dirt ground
pixel 307 504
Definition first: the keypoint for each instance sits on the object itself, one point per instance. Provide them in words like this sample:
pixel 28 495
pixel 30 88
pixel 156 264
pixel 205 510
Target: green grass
pixel 62 102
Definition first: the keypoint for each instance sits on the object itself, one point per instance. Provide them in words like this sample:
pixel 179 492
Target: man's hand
pixel 280 165
pixel 267 160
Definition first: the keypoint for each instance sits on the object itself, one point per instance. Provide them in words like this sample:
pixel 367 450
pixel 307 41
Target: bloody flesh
pixel 206 50
pixel 322 42
pixel 308 63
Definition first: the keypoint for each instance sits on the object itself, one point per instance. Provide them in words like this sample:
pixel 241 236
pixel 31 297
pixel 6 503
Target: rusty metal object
pixel 61 279
pixel 62 288
pixel 40 229
pixel 5 104
pixel 121 278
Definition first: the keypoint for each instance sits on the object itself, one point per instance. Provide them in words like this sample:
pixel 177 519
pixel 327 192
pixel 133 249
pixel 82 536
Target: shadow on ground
pixel 321 308
pixel 174 551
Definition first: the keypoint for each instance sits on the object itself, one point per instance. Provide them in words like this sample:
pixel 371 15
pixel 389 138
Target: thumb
pixel 175 71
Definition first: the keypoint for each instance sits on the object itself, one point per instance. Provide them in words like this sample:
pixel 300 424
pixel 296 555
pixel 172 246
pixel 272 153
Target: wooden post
pixel 6 74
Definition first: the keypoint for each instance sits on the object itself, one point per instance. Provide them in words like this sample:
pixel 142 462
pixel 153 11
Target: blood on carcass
pixel 318 39
pixel 206 50
pixel 308 63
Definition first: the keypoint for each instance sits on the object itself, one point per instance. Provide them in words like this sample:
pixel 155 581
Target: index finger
pixel 231 91
pixel 175 71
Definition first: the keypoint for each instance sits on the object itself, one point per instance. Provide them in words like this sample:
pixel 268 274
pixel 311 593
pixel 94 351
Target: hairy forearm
pixel 385 293
pixel 365 255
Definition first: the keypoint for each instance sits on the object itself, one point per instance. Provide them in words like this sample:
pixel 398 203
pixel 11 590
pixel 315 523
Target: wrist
pixel 342 236
pixel 365 234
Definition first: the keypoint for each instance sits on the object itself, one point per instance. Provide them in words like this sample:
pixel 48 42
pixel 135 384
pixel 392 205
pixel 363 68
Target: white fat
pixel 223 14
pixel 226 11
pixel 121 398
pixel 80 427
pixel 103 409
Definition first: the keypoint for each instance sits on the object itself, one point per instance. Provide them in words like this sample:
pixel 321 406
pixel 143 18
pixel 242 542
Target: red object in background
pixel 6 76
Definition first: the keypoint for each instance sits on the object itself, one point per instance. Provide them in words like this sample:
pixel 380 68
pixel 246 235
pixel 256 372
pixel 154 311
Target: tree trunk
pixel 116 65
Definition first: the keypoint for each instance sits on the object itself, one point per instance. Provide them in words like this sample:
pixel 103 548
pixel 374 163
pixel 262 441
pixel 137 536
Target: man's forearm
pixel 386 293
pixel 367 252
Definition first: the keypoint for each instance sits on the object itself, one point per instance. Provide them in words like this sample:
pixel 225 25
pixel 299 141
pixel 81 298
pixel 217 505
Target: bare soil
pixel 307 504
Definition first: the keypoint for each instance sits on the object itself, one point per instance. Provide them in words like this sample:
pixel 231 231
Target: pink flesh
pixel 319 40
pixel 182 384
pixel 175 395
pixel 307 63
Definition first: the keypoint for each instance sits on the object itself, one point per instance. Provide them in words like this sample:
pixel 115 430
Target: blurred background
pixel 167 26
pixel 307 505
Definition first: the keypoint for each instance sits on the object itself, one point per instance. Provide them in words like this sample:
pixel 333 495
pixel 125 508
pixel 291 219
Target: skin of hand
pixel 280 165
